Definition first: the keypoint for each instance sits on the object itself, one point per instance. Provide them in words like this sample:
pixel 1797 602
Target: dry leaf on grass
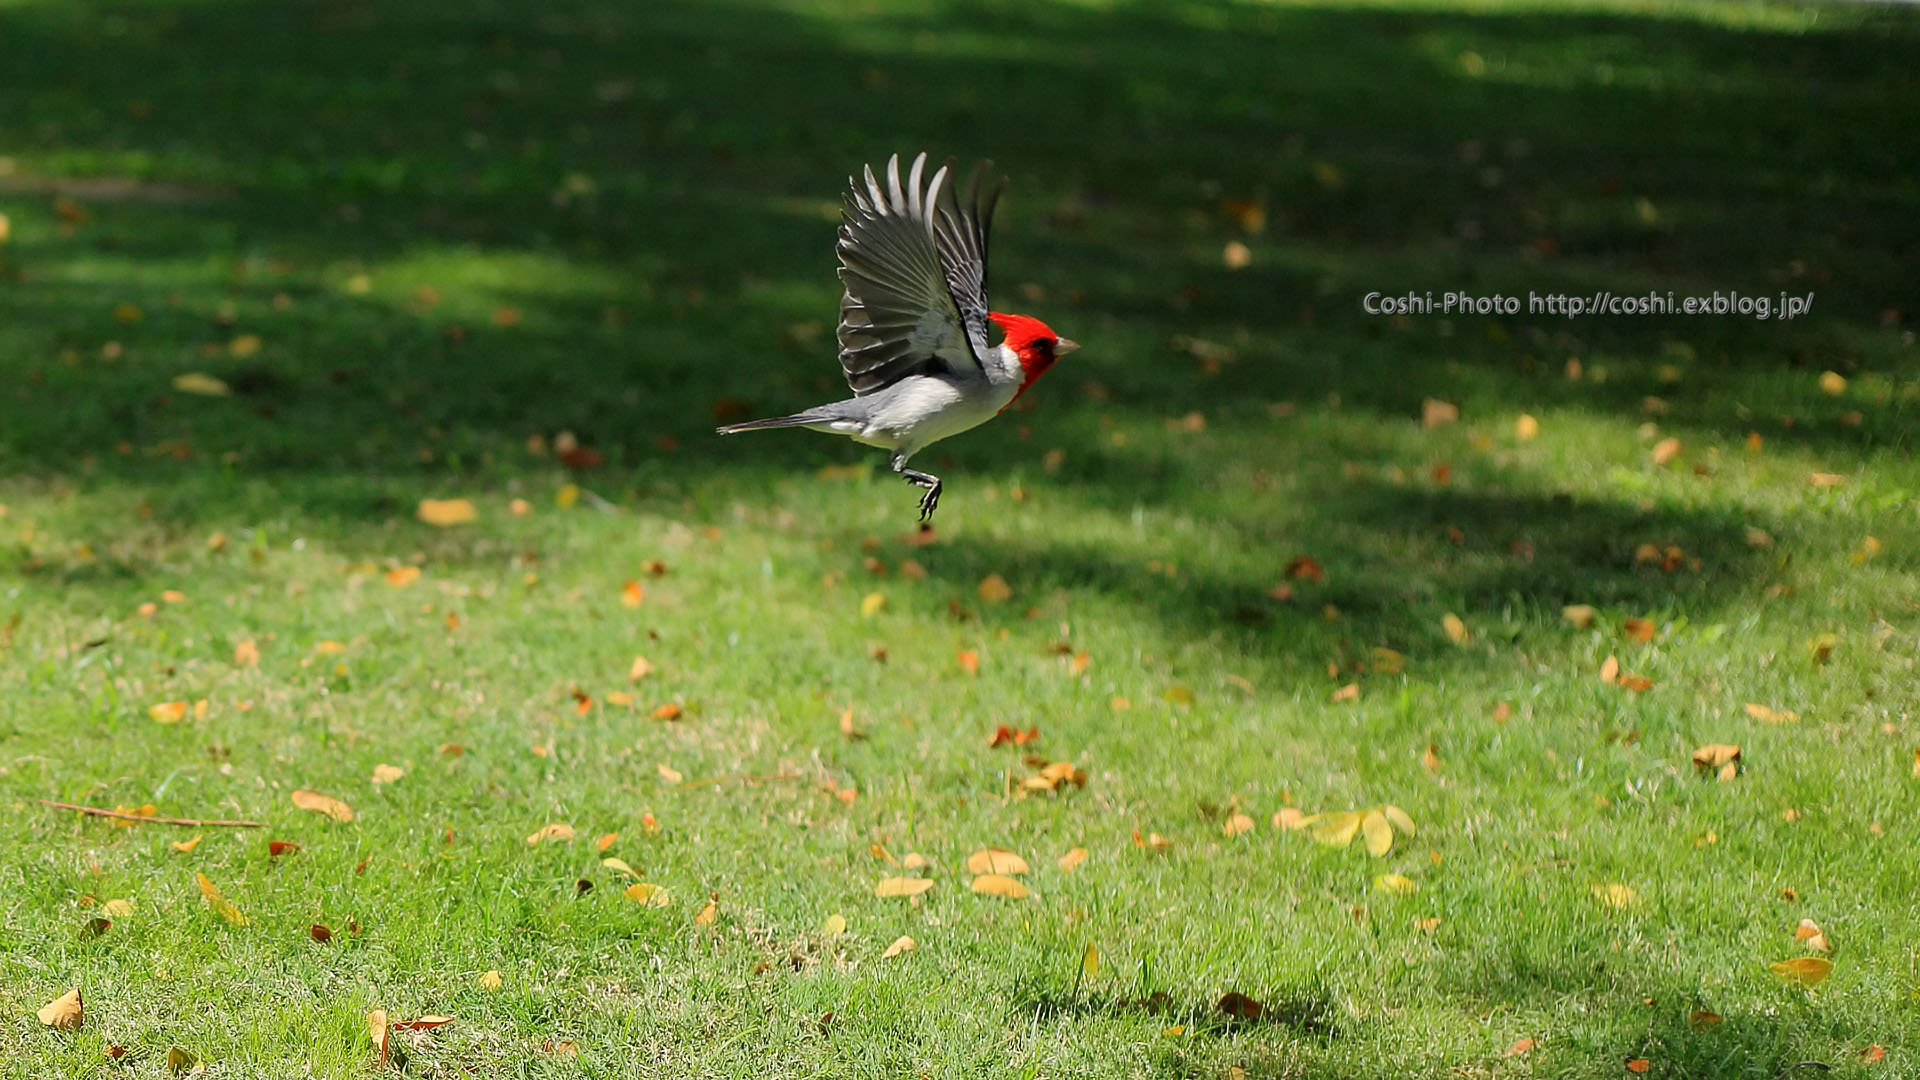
pixel 491 981
pixel 1807 971
pixel 969 660
pixel 1666 450
pixel 322 804
pixel 1524 1046
pixel 902 886
pixel 645 892
pixel 63 1013
pixel 1615 895
pixel 1808 933
pixel 1579 616
pixel 1289 818
pixel 619 866
pixel 387 774
pixel 998 885
pixel 246 654
pixel 995 590
pixel 377 1030
pixel 1072 859
pixel 424 1023
pixel 1767 715
pixel 872 603
pixel 445 513
pixel 1455 628
pixel 1236 825
pixel 553 831
pixel 1398 884
pixel 995 861
pixel 1702 1019
pixel 1721 757
pixel 900 945
pixel 219 903
pixel 119 909
pixel 169 712
pixel 185 847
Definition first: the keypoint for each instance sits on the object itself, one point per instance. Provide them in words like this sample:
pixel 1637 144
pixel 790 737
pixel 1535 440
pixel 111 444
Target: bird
pixel 914 319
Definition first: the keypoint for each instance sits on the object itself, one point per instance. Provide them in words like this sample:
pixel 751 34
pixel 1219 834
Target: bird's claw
pixel 928 502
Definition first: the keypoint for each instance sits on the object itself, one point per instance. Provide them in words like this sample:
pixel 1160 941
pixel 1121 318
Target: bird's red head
pixel 1034 342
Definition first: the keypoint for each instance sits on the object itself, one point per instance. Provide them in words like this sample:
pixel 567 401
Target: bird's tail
pixel 796 420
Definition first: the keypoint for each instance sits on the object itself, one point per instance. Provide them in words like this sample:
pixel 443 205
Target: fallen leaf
pixel 220 903
pixel 645 892
pixel 1434 413
pixel 1526 427
pixel 1289 818
pixel 246 654
pixel 1090 961
pixel 619 865
pixel 387 774
pixel 632 595
pixel 1715 756
pixel 1826 479
pixel 1378 833
pixel 322 804
pixel 1832 382
pixel 1768 715
pixel 709 913
pixel 1616 896
pixel 560 1048
pixel 969 661
pixel 670 774
pixel 1430 759
pixel 835 925
pixel 669 711
pixel 1236 824
pixel 1874 1054
pixel 181 1060
pixel 995 861
pixel 872 603
pixel 1072 859
pixel 185 847
pixel 194 382
pixel 1456 630
pixel 1638 629
pixel 63 1013
pixel 491 981
pixel 995 590
pixel 169 712
pixel 402 576
pixel 1398 884
pixel 445 513
pixel 1666 450
pixel 1522 1047
pixel 1610 670
pixel 1638 1065
pixel 1236 255
pixel 1239 1006
pixel 900 945
pixel 902 886
pixel 1809 934
pixel 1701 1019
pixel 377 1031
pixel 1349 692
pixel 1335 829
pixel 320 933
pixel 424 1023
pixel 998 885
pixel 277 848
pixel 1807 971
pixel 119 909
pixel 557 830
pixel 1579 616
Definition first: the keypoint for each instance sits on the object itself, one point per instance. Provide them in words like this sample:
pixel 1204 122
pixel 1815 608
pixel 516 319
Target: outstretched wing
pixel 913 261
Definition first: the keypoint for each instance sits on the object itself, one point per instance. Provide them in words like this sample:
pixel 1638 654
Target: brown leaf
pixel 63 1013
pixel 1237 824
pixel 998 885
pixel 1807 971
pixel 902 886
pixel 1430 759
pixel 1638 629
pixel 1072 859
pixel 246 654
pixel 320 933
pixel 1666 450
pixel 900 945
pixel 552 831
pixel 1239 1006
pixel 1701 1019
pixel 277 848
pixel 1524 1046
pixel 1809 934
pixel 995 861
pixel 1715 755
pixel 1305 568
pixel 995 590
pixel 220 903
pixel 1435 413
pixel 377 1029
pixel 322 804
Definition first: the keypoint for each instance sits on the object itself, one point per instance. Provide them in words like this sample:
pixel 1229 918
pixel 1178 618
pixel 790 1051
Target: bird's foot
pixel 929 501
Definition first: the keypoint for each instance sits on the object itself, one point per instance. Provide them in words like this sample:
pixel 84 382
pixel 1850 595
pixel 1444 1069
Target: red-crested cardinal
pixel 913 321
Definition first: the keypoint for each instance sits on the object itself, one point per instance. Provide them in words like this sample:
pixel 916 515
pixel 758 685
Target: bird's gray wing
pixel 912 262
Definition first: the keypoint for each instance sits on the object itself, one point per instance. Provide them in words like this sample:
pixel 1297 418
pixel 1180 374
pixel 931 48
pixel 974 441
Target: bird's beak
pixel 1063 346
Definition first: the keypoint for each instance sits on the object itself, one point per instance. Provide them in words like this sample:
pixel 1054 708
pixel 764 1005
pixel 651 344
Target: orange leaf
pixel 1639 629
pixel 995 861
pixel 220 903
pixel 1701 1019
pixel 557 830
pixel 969 661
pixel 169 712
pixel 402 576
pixel 1072 859
pixel 377 1028
pixel 998 885
pixel 669 711
pixel 1666 450
pixel 246 654
pixel 1521 1047
pixel 445 513
pixel 1714 755
pixel 64 1013
pixel 1639 1065
pixel 995 590
pixel 632 595
pixel 322 804
pixel 1610 669
pixel 422 1024
pixel 1807 971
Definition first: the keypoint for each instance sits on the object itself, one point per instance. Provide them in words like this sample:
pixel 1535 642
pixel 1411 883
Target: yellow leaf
pixel 554 830
pixel 1615 895
pixel 246 654
pixel 244 345
pixel 566 496
pixel 995 590
pixel 900 945
pixel 387 774
pixel 1807 971
pixel 63 1013
pixel 1178 694
pixel 194 382
pixel 402 576
pixel 1526 427
pixel 119 909
pixel 1768 715
pixel 169 712
pixel 1579 616
pixel 1090 961
pixel 1434 413
pixel 641 668
pixel 670 774
pixel 220 903
pixel 490 981
pixel 1379 834
pixel 1237 824
pixel 447 512
pixel 1397 884
pixel 995 861
pixel 871 604
pixel 619 865
pixel 1398 818
pixel 180 1060
pixel 1832 382
pixel 1079 855
pixel 1456 630
pixel 707 914
pixel 902 886
pixel 330 648
pixel 322 804
pixel 1334 830
pixel 185 847
pixel 836 924
pixel 998 885
pixel 645 892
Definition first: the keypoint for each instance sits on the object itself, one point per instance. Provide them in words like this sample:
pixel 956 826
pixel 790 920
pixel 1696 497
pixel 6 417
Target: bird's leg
pixel 919 479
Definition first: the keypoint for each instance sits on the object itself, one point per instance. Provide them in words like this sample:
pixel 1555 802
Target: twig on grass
pixel 196 822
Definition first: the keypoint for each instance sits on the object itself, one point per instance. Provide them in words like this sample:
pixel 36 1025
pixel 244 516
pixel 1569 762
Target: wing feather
pixel 913 266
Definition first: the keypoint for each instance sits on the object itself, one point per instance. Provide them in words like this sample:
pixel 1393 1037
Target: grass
pixel 411 237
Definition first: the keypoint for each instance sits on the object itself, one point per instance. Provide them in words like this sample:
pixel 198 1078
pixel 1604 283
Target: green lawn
pixel 419 242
